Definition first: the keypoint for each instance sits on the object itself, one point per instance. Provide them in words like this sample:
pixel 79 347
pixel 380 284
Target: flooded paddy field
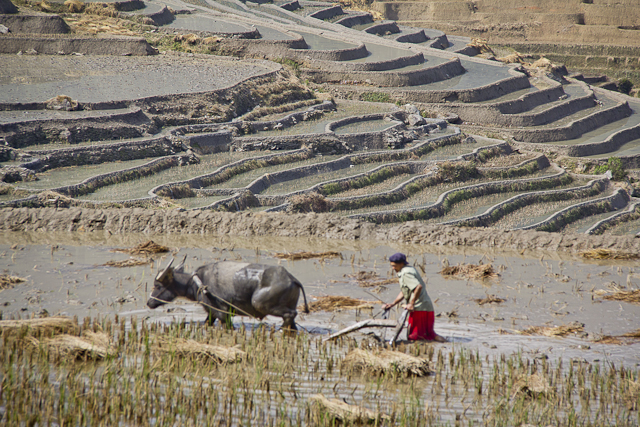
pixel 343 110
pixel 479 377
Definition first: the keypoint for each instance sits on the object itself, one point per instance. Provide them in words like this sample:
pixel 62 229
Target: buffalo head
pixel 167 285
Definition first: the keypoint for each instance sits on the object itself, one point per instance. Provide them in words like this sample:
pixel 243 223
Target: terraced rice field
pixel 75 174
pixel 318 125
pixel 430 194
pixel 244 179
pixel 630 227
pixel 311 180
pixel 139 188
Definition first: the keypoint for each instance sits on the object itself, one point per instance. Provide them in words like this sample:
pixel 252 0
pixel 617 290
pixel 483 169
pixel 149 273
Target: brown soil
pixel 332 227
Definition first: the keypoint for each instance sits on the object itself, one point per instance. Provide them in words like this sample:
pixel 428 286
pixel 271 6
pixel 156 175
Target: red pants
pixel 421 326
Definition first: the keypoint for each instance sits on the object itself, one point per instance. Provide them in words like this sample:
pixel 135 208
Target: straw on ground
pixel 382 361
pixel 7 281
pixel 470 271
pixel 191 348
pixel 608 254
pixel 131 262
pixel 554 331
pixel 307 255
pixel 344 412
pixel 49 324
pixel 489 299
pixel 337 303
pixel 147 248
pixel 92 345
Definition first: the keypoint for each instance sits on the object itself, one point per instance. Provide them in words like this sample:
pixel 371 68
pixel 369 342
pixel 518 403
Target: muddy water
pixel 541 289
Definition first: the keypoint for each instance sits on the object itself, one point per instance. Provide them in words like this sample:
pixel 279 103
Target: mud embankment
pixel 247 224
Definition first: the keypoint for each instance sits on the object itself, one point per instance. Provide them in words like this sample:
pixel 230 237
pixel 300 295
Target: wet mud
pixel 65 276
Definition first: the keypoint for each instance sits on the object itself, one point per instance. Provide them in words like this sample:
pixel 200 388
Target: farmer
pixel 413 291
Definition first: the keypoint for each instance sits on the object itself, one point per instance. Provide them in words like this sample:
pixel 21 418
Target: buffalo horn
pixel 181 263
pixel 164 272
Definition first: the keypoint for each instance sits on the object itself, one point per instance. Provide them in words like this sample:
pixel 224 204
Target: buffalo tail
pixel 304 297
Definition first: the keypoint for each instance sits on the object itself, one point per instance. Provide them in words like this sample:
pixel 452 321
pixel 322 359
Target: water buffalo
pixel 225 288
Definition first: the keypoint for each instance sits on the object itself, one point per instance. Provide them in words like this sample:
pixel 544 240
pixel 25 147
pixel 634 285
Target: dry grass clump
pixel 489 299
pixel 554 331
pixel 48 197
pixel 146 248
pixel 74 6
pixel 87 23
pixel 307 255
pixel 514 58
pixel 311 202
pixel 533 386
pixel 348 414
pixel 632 296
pixel 337 303
pixel 470 271
pixel 369 279
pixel 7 281
pixel 382 361
pixel 47 325
pixel 608 254
pixel 92 345
pixel 481 44
pixel 192 348
pixel 62 102
pixel 190 39
pixel 102 9
pixel 131 262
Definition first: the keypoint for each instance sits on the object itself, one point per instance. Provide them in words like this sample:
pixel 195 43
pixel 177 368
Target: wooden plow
pixel 375 323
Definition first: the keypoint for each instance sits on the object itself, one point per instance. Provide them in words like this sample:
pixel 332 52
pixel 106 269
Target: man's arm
pixel 399 298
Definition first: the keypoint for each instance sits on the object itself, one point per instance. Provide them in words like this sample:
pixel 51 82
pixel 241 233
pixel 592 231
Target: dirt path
pixel 334 227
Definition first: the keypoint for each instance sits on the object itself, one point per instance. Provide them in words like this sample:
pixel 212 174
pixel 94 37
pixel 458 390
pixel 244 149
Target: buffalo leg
pixel 289 321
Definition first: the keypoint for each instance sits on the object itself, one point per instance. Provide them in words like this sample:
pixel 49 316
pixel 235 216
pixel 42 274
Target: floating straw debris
pixel 146 249
pixel 337 303
pixel 49 324
pixel 369 279
pixel 386 360
pixel 307 255
pixel 92 345
pixel 191 348
pixel 554 331
pixel 533 386
pixel 489 299
pixel 632 296
pixel 470 271
pixel 628 338
pixel 608 254
pixel 349 414
pixel 131 262
pixel 7 281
